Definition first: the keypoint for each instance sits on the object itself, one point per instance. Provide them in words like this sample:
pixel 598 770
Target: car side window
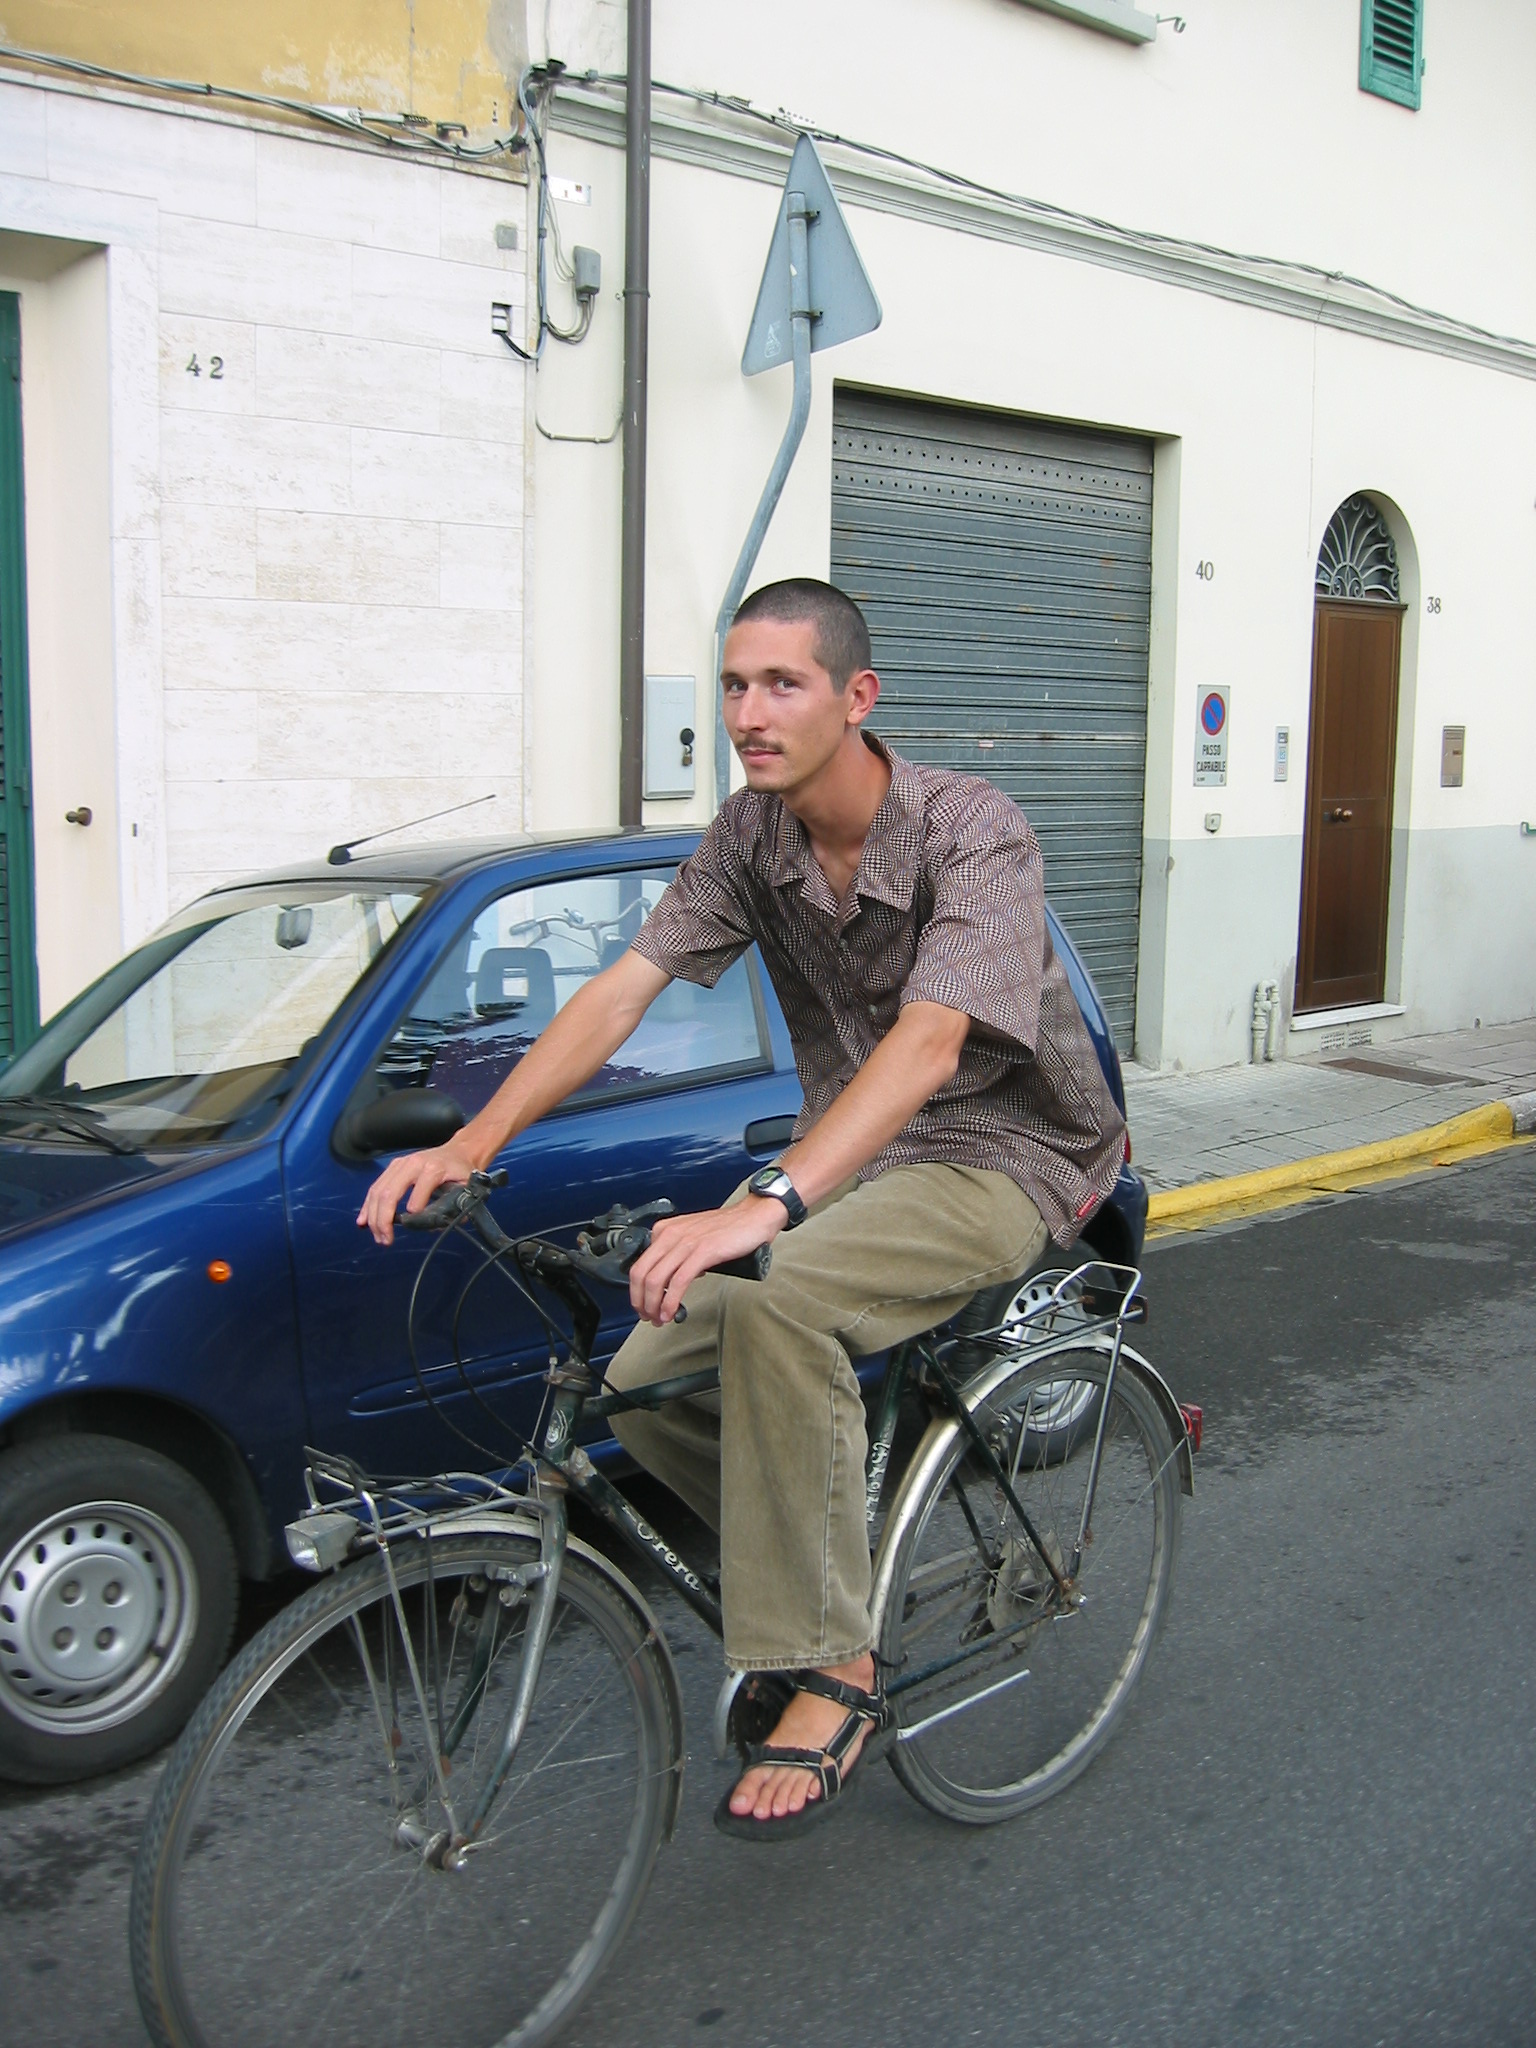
pixel 504 978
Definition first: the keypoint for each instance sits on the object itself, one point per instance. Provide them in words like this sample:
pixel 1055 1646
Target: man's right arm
pixel 580 1041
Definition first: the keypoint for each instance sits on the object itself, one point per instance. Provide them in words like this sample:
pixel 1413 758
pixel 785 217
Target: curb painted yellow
pixel 1275 1187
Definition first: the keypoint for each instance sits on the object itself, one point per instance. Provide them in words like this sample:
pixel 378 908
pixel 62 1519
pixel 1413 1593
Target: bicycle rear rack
pixel 351 1512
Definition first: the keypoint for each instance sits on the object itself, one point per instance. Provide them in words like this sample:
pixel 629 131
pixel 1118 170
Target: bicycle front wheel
pixel 1005 1685
pixel 292 1883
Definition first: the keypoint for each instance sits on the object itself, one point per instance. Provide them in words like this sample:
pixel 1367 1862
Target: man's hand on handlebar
pixel 683 1247
pixel 415 1179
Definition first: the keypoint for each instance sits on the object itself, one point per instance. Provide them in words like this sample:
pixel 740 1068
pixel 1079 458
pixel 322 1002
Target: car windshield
pixel 197 1034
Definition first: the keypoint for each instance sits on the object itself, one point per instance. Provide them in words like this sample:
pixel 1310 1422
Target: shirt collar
pixel 892 846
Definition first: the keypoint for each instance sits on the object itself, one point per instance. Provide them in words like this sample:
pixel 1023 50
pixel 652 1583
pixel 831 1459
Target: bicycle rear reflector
pixel 1194 1422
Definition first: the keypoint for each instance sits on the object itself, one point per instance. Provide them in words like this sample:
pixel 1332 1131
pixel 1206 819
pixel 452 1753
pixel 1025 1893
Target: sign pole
pixel 801 316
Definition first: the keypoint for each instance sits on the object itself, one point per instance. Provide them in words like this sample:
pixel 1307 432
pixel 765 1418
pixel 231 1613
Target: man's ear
pixel 860 695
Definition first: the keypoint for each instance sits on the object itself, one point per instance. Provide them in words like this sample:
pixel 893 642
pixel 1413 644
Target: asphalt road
pixel 1318 1823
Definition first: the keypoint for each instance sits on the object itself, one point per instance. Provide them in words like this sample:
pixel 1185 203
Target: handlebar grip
pixel 444 1208
pixel 454 1202
pixel 753 1267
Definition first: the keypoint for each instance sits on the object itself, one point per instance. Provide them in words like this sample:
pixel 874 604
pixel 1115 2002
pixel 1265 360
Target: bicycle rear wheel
pixel 291 1883
pixel 1018 1686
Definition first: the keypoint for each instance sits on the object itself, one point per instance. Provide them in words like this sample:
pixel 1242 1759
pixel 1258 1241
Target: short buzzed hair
pixel 842 636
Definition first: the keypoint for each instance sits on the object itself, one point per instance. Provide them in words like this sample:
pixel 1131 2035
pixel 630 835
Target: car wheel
pixel 1063 1413
pixel 118 1587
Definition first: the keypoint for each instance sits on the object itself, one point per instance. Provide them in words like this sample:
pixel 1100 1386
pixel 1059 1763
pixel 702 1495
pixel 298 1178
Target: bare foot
pixel 769 1791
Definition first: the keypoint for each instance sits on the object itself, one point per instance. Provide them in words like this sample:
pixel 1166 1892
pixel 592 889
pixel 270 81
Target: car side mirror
pixel 404 1120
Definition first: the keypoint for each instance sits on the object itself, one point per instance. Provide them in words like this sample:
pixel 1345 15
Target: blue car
pixel 186 1300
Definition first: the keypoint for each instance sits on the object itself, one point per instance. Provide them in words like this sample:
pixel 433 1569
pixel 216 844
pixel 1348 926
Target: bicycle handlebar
pixel 604 1250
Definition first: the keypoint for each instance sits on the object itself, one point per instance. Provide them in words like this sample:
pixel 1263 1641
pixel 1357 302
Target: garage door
pixel 1005 567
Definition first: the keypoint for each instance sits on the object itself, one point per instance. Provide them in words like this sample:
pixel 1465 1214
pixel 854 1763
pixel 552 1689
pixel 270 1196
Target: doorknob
pixel 1340 816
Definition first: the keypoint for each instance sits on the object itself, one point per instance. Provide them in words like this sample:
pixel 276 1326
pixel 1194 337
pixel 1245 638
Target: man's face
pixel 784 717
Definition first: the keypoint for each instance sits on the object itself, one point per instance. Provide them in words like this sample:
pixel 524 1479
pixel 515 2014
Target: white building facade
pixel 274 497
pixel 1170 319
pixel 1188 297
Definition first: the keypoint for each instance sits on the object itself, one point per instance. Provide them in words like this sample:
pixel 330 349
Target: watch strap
pixel 775 1183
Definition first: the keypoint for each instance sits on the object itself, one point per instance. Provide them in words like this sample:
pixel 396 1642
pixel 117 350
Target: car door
pixel 696 1097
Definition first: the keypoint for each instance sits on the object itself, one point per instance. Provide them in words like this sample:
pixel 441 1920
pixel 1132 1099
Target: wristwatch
pixel 773 1180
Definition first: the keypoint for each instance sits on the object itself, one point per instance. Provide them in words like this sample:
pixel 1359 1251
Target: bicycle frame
pixel 559 1466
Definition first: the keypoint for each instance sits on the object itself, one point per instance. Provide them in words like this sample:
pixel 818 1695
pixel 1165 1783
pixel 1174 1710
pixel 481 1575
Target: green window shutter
pixel 18 962
pixel 1392 49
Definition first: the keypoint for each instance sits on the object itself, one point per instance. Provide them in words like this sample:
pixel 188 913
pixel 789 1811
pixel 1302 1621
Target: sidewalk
pixel 1187 1128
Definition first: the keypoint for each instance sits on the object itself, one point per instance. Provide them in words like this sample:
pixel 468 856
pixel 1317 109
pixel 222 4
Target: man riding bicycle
pixel 955 1118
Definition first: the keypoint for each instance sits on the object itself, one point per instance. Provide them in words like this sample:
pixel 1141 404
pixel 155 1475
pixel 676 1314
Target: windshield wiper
pixel 78 1118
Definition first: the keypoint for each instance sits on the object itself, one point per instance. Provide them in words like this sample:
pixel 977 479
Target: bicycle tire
pixel 1042 1684
pixel 284 1886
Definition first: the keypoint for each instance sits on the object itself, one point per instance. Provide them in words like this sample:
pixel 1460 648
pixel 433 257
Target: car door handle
pixel 1340 816
pixel 769 1133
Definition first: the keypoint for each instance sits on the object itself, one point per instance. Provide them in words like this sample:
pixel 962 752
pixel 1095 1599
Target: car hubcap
pixel 97 1609
pixel 1059 1403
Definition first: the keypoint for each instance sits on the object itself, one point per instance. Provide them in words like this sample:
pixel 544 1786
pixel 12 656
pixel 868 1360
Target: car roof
pixel 445 859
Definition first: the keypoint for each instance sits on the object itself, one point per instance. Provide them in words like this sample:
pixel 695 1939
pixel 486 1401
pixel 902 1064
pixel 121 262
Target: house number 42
pixel 215 367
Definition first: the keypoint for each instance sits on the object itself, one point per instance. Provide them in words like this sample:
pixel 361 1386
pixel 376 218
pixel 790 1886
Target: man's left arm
pixel 915 1059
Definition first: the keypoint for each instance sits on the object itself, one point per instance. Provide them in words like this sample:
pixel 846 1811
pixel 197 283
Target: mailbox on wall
pixel 669 736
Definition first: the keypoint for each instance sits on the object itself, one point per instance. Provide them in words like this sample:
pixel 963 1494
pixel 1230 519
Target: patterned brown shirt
pixel 948 906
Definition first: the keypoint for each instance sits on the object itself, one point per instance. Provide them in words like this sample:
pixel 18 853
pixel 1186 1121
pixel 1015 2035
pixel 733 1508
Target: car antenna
pixel 339 856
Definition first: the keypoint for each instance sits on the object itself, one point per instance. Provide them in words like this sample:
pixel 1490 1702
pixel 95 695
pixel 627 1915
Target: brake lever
pixel 618 1217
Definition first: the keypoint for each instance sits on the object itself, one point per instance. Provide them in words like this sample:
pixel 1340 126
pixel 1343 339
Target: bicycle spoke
pixel 1004 1746
pixel 308 1886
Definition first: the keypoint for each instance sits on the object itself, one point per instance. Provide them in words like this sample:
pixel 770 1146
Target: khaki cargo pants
pixel 775 1461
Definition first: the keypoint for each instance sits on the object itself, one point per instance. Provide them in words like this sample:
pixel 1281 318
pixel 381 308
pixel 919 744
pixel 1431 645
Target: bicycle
pixel 463 1748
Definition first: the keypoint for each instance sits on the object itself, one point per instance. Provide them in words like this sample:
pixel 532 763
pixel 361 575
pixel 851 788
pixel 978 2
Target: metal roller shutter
pixel 1005 567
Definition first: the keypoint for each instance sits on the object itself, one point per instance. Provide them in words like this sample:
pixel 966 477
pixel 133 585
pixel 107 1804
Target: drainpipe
pixel 1264 1025
pixel 637 296
pixel 1276 1019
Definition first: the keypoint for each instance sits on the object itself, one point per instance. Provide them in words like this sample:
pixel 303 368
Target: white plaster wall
pixel 1263 423
pixel 316 559
pixel 1249 130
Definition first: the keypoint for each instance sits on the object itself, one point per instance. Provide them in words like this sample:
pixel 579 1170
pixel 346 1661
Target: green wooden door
pixel 18 958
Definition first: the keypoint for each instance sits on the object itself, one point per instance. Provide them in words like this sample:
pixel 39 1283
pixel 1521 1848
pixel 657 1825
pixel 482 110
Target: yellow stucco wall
pixel 450 60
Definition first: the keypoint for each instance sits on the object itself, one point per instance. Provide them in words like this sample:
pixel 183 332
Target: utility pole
pixel 637 280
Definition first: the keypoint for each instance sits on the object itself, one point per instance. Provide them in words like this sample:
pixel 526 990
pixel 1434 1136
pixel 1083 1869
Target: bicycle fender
pixel 942 1430
pixel 527 1524
pixel 1173 1414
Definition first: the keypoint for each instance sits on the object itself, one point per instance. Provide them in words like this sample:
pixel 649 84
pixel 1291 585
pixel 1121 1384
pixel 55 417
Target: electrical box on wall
pixel 1453 756
pixel 669 736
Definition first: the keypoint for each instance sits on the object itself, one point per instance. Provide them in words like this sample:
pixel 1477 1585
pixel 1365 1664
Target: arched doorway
pixel 1351 758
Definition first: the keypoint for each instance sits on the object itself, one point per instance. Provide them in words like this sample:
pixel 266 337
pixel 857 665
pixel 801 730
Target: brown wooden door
pixel 1346 859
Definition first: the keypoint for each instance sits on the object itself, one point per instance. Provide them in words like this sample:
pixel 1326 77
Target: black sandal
pixel 825 1764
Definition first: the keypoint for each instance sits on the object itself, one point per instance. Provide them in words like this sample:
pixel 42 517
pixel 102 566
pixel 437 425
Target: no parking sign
pixel 1212 719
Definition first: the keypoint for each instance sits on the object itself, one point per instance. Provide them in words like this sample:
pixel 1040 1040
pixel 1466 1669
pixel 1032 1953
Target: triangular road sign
pixel 842 297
